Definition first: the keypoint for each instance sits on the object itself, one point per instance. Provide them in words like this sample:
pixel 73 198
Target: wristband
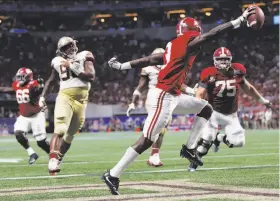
pixel 137 93
pixel 125 66
pixel 262 100
pixel 75 68
pixel 236 23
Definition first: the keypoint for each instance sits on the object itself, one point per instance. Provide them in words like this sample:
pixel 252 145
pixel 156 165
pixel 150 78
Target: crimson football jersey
pixel 223 90
pixel 177 63
pixel 27 98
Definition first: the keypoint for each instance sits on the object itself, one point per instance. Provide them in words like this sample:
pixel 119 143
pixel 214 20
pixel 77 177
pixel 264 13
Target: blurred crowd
pixel 152 17
pixel 258 51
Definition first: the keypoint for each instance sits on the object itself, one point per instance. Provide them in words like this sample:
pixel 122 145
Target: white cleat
pixel 54 166
pixel 154 161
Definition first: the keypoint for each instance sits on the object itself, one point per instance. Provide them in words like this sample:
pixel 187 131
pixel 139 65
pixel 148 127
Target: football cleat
pixel 216 144
pixel 192 167
pixel 33 158
pixel 111 182
pixel 154 161
pixel 54 166
pixel 191 155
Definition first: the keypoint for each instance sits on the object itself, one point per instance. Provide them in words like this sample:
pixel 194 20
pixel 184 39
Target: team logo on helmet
pixel 24 75
pixel 222 58
pixel 67 47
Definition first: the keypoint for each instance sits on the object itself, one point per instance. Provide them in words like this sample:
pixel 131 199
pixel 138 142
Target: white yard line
pixel 142 160
pixel 139 172
pixel 8 160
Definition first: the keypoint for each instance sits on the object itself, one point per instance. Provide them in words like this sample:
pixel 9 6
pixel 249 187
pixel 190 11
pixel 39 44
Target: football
pixel 256 21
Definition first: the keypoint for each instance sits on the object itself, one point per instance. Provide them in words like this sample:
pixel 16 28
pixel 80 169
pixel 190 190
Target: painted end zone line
pixel 139 172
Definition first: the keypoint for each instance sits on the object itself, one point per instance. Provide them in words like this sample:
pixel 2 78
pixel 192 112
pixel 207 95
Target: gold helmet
pixel 157 51
pixel 67 47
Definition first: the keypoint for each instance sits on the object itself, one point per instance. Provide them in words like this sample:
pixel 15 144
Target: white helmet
pixel 67 47
pixel 157 51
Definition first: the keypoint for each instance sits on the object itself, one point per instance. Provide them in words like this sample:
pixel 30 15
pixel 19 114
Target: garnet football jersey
pixel 223 89
pixel 178 62
pixel 27 97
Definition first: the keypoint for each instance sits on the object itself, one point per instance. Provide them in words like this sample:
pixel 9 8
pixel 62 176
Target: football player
pixel 222 83
pixel 178 58
pixel 149 76
pixel 32 116
pixel 75 72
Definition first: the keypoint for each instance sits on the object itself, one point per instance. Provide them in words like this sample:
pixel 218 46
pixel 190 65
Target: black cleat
pixel 191 155
pixel 33 158
pixel 111 182
pixel 216 144
pixel 192 167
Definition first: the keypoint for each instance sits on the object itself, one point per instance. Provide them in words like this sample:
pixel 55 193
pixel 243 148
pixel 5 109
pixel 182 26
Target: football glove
pixel 130 108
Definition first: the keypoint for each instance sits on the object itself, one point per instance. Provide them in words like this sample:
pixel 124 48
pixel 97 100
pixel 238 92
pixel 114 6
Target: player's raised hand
pixel 249 11
pixel 268 105
pixel 113 63
pixel 130 108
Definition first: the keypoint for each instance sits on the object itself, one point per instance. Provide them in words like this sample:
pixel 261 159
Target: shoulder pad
pixel 239 68
pixel 206 73
pixel 56 61
pixel 87 55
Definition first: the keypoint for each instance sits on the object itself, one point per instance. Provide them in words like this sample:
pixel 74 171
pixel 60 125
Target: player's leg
pixel 157 119
pixel 38 125
pixel 206 140
pixel 203 110
pixel 75 125
pixel 234 133
pixel 154 159
pixel 63 113
pixel 21 127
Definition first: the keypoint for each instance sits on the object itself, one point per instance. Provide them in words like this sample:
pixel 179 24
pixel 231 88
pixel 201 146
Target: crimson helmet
pixel 188 24
pixel 24 75
pixel 222 58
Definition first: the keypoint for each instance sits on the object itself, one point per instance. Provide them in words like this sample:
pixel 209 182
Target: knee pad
pixel 45 145
pixel 20 136
pixel 68 138
pixel 235 140
pixel 203 146
pixel 206 112
pixel 60 128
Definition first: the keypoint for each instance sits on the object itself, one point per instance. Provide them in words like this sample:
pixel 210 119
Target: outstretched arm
pixel 49 84
pixel 199 40
pixel 249 89
pixel 154 59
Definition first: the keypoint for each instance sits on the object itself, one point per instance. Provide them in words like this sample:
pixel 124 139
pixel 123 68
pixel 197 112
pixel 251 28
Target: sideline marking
pixel 8 160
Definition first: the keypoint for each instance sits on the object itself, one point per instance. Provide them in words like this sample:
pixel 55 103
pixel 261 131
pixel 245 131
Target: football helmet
pixel 188 24
pixel 24 75
pixel 67 47
pixel 222 58
pixel 157 51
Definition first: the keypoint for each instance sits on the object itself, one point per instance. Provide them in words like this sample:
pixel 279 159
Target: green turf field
pixel 248 173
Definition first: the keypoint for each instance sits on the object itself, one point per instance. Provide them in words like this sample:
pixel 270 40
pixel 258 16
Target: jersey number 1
pixel 226 84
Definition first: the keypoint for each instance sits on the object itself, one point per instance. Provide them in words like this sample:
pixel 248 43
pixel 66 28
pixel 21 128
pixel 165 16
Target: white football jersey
pixel 67 78
pixel 152 72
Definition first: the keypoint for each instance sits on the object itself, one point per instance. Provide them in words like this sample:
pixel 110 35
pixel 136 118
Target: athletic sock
pixel 155 151
pixel 30 151
pixel 196 132
pixel 129 156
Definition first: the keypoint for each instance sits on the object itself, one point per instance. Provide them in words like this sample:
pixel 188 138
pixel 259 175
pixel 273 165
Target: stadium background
pixel 129 30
